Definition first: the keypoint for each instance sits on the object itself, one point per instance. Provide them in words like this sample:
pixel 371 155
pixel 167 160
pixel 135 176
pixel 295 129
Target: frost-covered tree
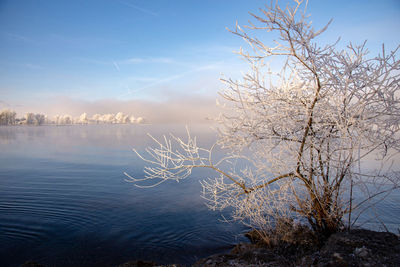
pixel 126 119
pixel 67 119
pixel 7 117
pixel 95 118
pixel 140 120
pixel 305 132
pixel 30 118
pixel 57 119
pixel 119 117
pixel 47 120
pixel 34 119
pixel 63 119
pixel 83 118
pixel 39 119
pixel 108 118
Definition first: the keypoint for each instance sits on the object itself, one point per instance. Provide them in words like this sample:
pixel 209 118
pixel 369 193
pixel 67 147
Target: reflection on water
pixel 7 135
pixel 64 201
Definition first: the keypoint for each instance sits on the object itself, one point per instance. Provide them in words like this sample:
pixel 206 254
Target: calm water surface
pixel 64 200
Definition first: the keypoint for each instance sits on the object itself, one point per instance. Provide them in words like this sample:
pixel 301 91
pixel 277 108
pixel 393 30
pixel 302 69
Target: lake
pixel 64 200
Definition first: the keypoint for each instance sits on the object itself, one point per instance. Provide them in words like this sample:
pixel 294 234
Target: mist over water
pixel 64 200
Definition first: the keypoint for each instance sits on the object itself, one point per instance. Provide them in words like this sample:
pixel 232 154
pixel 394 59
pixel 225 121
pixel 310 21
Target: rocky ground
pixel 354 248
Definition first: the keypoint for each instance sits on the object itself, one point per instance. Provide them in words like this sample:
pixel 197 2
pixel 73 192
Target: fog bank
pixel 183 109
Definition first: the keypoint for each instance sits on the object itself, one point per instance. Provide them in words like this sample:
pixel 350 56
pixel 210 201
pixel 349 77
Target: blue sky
pixel 92 51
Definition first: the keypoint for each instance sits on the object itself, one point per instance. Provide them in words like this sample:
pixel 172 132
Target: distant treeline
pixel 9 117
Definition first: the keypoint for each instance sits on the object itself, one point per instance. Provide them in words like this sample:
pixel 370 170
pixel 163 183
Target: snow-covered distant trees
pixel 308 132
pixel 139 120
pixel 83 119
pixel 108 118
pixel 121 118
pixel 63 119
pixel 96 118
pixel 29 118
pixel 34 119
pixel 39 119
pixel 7 117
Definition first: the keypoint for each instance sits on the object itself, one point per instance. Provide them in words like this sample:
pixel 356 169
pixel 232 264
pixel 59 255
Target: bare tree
pixel 305 131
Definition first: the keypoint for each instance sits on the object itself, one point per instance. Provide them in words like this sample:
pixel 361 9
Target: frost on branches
pixel 308 128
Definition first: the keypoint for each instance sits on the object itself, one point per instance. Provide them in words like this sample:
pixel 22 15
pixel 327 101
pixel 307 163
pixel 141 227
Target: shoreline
pixel 357 247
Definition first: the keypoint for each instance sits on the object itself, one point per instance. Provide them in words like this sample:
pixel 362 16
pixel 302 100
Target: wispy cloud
pixel 134 60
pixel 23 65
pixel 21 38
pixel 116 65
pixel 95 61
pixel 81 40
pixel 137 60
pixel 32 66
pixel 143 10
pixel 169 79
pixel 141 79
